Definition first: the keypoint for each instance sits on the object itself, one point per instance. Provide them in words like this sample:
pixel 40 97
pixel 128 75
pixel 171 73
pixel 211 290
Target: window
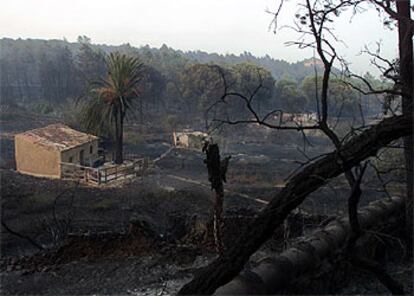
pixel 71 159
pixel 91 149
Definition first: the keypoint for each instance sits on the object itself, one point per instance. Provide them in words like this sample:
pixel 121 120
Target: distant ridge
pixel 278 67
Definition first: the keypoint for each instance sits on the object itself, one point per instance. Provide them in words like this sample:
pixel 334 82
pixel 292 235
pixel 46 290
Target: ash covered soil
pixel 125 239
pixel 149 235
pixel 132 239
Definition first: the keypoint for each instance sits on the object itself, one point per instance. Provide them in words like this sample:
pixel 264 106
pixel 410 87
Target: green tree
pixel 343 99
pixel 154 87
pixel 111 97
pixel 288 95
pixel 90 61
pixel 200 88
pixel 249 76
pixel 309 91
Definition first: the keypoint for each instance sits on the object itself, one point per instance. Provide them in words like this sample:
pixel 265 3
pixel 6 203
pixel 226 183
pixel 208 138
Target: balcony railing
pixel 106 173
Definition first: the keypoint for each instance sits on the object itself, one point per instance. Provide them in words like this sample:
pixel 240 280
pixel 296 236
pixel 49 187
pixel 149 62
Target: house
pixel 189 139
pixel 41 151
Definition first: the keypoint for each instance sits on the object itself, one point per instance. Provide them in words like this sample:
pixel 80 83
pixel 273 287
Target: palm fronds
pixel 108 99
pixel 114 93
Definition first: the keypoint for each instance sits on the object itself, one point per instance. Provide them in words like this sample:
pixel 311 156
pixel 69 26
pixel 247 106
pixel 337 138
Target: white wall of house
pixel 73 155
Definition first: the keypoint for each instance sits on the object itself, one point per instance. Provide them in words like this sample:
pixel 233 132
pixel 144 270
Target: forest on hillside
pixel 47 76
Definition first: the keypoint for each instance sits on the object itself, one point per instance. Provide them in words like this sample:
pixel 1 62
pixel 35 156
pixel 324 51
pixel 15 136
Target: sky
pixel 222 26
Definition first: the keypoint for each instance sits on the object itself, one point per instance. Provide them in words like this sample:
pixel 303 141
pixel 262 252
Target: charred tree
pixel 349 152
pixel 405 48
pixel 310 178
pixel 216 175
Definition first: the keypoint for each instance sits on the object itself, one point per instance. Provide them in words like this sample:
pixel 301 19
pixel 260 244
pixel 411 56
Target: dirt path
pixel 205 185
pixel 165 154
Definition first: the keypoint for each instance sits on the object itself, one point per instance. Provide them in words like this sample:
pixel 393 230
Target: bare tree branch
pixel 248 100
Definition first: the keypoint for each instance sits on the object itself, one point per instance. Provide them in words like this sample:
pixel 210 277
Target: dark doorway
pixel 81 157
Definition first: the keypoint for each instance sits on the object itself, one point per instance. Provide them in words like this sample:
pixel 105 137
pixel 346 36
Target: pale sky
pixel 223 26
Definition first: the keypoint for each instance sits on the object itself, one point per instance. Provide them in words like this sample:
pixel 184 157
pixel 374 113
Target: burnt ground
pixel 149 235
pixel 102 255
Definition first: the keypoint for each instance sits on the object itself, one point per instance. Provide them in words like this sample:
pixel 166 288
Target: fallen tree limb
pixel 314 175
pixel 275 273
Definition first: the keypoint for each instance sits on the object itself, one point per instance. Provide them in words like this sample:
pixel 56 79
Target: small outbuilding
pixel 189 139
pixel 41 151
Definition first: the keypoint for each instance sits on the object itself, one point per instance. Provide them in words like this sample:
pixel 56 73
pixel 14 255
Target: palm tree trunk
pixel 119 129
pixel 141 112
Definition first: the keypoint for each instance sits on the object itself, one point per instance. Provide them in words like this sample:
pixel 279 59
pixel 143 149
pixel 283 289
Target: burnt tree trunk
pixel 215 177
pixel 217 221
pixel 310 178
pixel 405 47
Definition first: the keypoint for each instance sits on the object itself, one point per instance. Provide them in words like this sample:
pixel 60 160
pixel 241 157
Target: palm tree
pixel 110 98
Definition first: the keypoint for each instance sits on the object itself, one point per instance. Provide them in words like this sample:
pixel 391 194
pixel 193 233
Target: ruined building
pixel 189 139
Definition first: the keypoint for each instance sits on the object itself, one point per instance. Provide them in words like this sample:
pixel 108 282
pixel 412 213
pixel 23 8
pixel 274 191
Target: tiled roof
pixel 57 136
